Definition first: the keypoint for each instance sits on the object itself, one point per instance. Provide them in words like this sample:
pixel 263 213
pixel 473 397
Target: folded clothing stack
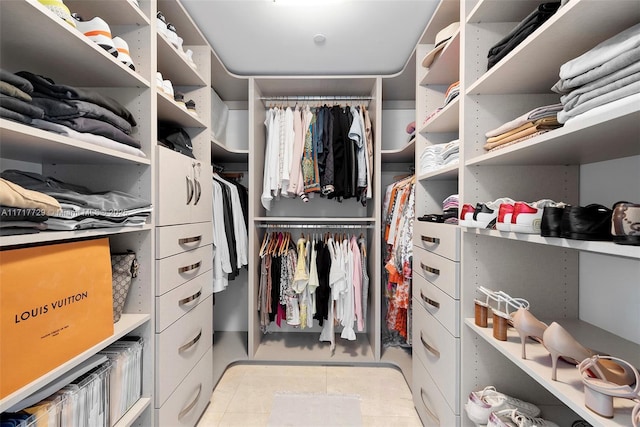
pixel 24 211
pixel 79 207
pixel 79 113
pixel 525 28
pixel 608 72
pixel 430 159
pixel 450 153
pixel 451 93
pixel 535 122
pixel 450 209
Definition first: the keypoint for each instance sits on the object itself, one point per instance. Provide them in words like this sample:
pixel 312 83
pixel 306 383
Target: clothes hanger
pixel 263 246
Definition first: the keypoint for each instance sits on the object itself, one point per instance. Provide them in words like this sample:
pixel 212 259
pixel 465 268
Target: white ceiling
pixel 267 37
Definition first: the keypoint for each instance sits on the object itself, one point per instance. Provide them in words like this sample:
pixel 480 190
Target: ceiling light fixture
pixel 319 39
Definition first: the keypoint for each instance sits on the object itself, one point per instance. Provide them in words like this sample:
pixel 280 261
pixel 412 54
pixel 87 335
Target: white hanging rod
pixel 316 98
pixel 317 226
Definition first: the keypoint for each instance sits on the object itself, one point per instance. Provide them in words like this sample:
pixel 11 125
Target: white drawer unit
pixel 181 346
pixel 178 269
pixel 429 402
pixel 440 353
pixel 442 239
pixel 441 306
pixel 181 300
pixel 189 400
pixel 174 239
pixel 440 271
pixel 184 190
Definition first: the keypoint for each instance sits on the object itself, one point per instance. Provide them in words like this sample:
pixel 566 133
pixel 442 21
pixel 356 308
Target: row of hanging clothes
pixel 324 151
pixel 320 277
pixel 398 213
pixel 230 223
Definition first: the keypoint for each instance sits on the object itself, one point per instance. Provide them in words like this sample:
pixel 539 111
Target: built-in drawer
pixel 180 346
pixel 440 305
pixel 173 239
pixel 181 300
pixel 442 239
pixel 187 403
pixel 440 271
pixel 429 402
pixel 177 269
pixel 440 353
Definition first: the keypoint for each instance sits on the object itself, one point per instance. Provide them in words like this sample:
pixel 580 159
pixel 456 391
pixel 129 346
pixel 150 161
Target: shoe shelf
pixel 445 68
pixel 569 388
pixel 446 120
pixel 59 43
pixel 29 144
pixel 59 236
pixel 127 324
pixel 175 66
pixel 603 248
pixel 170 111
pixel 114 12
pixel 536 60
pixel 609 135
pixel 446 173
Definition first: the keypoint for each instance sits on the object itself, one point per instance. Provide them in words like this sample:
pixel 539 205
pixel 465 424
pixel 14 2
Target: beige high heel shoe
pixel 599 392
pixel 560 343
pixel 528 326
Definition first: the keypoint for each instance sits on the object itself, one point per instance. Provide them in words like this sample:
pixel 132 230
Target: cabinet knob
pixel 187 240
pixel 428 408
pixel 191 298
pixel 429 301
pixel 190 406
pixel 429 347
pixel 186 346
pixel 198 191
pixel 189 190
pixel 189 267
pixel 429 269
pixel 428 239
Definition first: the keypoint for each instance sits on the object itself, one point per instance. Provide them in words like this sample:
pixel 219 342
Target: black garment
pixel 276 265
pixel 243 193
pixel 47 87
pixel 327 176
pixel 22 107
pixel 5 113
pixel 339 166
pixel 55 108
pixel 323 291
pixel 98 127
pixel 228 229
pixel 521 32
pixel 17 81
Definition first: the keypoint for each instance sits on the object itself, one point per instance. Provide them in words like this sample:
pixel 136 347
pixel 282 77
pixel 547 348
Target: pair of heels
pixel 560 344
pixel 599 392
pixel 501 315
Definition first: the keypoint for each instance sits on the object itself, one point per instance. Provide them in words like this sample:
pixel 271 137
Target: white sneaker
pixel 161 23
pixel 482 403
pixel 513 418
pixel 486 214
pixel 159 80
pixel 98 31
pixel 527 217
pixel 189 55
pixel 123 52
pixel 172 35
pixel 167 87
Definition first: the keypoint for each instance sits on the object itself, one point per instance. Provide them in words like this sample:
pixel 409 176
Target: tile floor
pixel 244 395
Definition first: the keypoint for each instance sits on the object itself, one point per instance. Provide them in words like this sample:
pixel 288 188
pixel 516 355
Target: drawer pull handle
pixel 431 348
pixel 189 190
pixel 428 239
pixel 190 406
pixel 191 298
pixel 429 301
pixel 198 191
pixel 189 267
pixel 187 240
pixel 429 269
pixel 191 343
pixel 427 408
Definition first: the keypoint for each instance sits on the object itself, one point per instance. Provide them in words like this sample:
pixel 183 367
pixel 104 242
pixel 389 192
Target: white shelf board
pixel 79 61
pixel 126 324
pixel 610 135
pixel 603 248
pixel 312 220
pixel 169 110
pixel 536 65
pixel 114 12
pixel 501 11
pixel 221 153
pixel 445 69
pixel 176 14
pixel 305 347
pixel 446 173
pixel 569 388
pixel 29 144
pixel 447 120
pixel 400 155
pixel 174 66
pixel 133 413
pixel 58 236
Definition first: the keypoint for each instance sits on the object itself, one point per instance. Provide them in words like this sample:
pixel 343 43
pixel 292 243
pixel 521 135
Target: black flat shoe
pixel 551 221
pixel 592 222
